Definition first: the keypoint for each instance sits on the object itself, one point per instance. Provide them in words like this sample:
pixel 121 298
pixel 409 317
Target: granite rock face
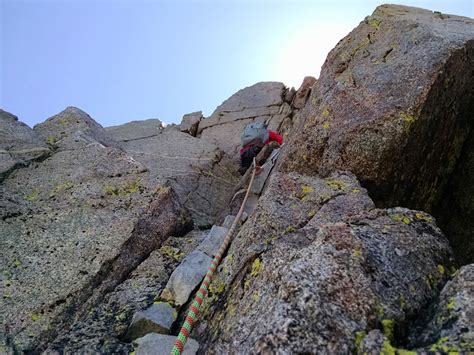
pixel 73 226
pixel 262 102
pixel 96 224
pixel 19 144
pixel 196 169
pixel 316 264
pixel 393 105
pixel 136 130
pixel 73 129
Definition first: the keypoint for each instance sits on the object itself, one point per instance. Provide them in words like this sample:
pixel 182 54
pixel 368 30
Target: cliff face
pixel 394 105
pixel 98 224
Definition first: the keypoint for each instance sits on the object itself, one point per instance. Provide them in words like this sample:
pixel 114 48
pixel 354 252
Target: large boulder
pixel 262 102
pixel 196 169
pixel 19 144
pixel 393 105
pixel 317 265
pixel 72 227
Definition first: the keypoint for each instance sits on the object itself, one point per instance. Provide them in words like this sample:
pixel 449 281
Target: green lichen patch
pixel 451 304
pixel 130 187
pixel 231 309
pixel 217 286
pixel 337 184
pixel 441 345
pixel 111 190
pixel 171 252
pixel 35 317
pixel 326 125
pixel 256 296
pixel 257 267
pixel 290 230
pixel 361 45
pixel 306 189
pixel 388 328
pixel 325 112
pixel 61 187
pixel 401 218
pixel 430 282
pixel 407 119
pixel 387 348
pixel 420 216
pixel 359 337
pixel 441 269
pixel 33 196
pixel 357 253
pixel 51 140
pixel 402 302
pixel 373 22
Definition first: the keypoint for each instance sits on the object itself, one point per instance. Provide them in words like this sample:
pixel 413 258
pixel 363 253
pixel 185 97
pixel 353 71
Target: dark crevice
pixel 435 168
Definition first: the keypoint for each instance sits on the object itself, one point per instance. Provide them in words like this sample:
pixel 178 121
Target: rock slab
pixel 213 241
pixel 186 277
pixel 158 318
pixel 159 344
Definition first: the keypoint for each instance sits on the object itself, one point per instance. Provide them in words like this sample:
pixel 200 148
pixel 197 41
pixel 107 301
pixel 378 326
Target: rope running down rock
pixel 193 311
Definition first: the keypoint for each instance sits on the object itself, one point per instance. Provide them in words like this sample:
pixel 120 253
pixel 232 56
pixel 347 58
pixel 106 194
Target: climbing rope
pixel 193 311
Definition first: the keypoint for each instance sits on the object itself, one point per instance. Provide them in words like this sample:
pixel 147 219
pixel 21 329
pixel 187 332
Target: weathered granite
pixel 158 318
pixel 19 144
pixel 195 168
pixel 394 105
pixel 213 241
pixel 315 264
pixel 186 277
pixel 159 344
pixel 190 122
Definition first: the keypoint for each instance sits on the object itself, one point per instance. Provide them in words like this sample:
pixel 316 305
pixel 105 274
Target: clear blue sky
pixel 127 60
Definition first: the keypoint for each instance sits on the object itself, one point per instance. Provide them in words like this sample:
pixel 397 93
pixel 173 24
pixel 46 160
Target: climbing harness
pixel 193 311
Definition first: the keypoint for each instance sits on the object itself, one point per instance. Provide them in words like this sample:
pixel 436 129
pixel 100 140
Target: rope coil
pixel 193 311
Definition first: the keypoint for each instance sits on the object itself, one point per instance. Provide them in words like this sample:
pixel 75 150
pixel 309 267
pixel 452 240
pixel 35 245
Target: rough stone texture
pixel 136 130
pixel 103 329
pixel 303 92
pixel 73 129
pixel 262 102
pixel 393 105
pixel 190 123
pixel 195 168
pixel 451 324
pixel 19 144
pixel 158 318
pixel 289 95
pixel 186 277
pixel 213 241
pixel 72 227
pixel 228 220
pixel 159 344
pixel 315 264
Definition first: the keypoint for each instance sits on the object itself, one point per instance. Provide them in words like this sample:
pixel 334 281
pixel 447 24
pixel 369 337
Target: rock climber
pixel 255 138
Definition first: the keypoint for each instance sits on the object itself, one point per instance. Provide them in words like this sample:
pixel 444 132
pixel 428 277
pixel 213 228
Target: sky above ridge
pixel 124 60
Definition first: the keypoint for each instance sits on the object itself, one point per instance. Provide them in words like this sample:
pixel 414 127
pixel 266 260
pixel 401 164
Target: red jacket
pixel 272 136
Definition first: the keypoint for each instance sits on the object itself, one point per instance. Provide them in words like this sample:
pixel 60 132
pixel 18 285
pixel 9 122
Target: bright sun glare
pixel 303 53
